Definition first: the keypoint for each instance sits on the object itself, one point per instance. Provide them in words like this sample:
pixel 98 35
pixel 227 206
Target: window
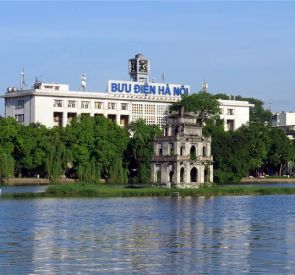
pixel 124 106
pixel 85 104
pixel 48 87
pixel 137 109
pixel 71 104
pixel 57 119
pixel 57 103
pixel 20 104
pixel 150 109
pixel 98 105
pixel 193 153
pixel 9 103
pixel 111 106
pixel 19 118
pixel 150 120
pixel 230 111
pixel 230 124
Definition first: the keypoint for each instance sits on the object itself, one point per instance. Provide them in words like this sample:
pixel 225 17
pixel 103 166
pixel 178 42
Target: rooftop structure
pixel 54 104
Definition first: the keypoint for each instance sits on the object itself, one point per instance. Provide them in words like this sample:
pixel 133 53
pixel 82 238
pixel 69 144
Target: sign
pixel 128 87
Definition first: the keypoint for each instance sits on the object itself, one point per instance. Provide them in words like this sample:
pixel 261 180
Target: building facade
pixel 285 121
pixel 54 104
pixel 182 157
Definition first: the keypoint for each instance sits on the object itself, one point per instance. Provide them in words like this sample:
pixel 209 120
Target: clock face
pixel 133 66
pixel 143 66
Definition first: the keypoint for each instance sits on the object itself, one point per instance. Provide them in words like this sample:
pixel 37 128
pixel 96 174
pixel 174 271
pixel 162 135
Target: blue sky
pixel 240 48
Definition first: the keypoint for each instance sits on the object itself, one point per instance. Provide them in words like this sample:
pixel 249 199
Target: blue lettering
pixel 146 88
pixel 128 88
pixel 161 90
pixel 120 87
pixel 114 87
pixel 136 88
pixel 153 90
pixel 176 91
pixel 167 90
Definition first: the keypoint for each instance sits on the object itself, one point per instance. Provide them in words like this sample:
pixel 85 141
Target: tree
pixel 257 113
pixel 55 156
pixel 96 141
pixel 140 150
pixel 240 153
pixel 280 152
pixel 203 104
pixel 6 166
pixel 30 150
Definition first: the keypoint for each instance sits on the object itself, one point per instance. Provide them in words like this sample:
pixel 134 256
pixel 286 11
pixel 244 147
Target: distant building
pixel 234 113
pixel 285 121
pixel 53 104
pixel 182 157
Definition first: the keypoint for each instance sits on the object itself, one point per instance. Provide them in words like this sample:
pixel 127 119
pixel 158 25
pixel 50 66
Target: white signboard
pixel 163 89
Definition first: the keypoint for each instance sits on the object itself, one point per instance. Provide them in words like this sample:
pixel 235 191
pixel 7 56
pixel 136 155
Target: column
pixel 64 119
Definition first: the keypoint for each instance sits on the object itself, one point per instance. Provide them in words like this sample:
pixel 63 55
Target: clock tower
pixel 139 68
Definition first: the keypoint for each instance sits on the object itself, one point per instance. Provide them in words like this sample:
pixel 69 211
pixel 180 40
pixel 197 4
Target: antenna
pixel 83 82
pixel 269 104
pixel 22 80
pixel 204 86
pixel 163 78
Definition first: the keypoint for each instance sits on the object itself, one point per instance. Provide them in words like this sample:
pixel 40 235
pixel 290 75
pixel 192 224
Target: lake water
pixel 23 189
pixel 215 235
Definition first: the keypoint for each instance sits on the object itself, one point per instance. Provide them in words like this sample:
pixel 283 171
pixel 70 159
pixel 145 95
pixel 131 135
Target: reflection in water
pixel 150 235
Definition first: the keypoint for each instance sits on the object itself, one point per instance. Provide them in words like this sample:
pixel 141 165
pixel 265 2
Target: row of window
pixel 149 109
pixel 87 104
pixel 227 111
pixel 193 150
pixel 16 104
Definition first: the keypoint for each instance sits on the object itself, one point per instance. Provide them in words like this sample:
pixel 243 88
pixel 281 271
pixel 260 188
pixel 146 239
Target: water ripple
pixel 221 235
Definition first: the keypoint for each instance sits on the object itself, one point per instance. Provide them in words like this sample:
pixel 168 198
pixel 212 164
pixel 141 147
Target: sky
pixel 242 48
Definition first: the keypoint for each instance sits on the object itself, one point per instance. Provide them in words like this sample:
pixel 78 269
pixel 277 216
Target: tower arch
pixel 194 174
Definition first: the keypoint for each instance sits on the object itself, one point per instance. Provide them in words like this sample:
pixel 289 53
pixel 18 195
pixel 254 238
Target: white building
pixel 54 104
pixel 283 119
pixel 234 113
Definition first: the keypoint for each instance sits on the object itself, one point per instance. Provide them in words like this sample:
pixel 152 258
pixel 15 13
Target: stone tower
pixel 182 157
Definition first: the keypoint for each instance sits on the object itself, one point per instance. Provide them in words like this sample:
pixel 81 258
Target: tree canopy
pixel 203 104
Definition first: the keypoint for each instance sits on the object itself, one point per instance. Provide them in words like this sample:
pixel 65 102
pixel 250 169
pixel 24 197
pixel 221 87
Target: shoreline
pixel 102 191
pixel 267 180
pixel 42 181
pixel 34 181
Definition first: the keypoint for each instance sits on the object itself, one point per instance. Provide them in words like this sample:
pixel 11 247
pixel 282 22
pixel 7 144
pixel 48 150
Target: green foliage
pixel 55 157
pixel 90 172
pixel 118 174
pixel 257 113
pixel 140 150
pixel 204 105
pixel 281 150
pixel 30 149
pixel 96 144
pixel 91 190
pixel 9 129
pixel 6 166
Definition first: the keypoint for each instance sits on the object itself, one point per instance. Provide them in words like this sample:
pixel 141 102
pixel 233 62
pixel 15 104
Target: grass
pixel 103 191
